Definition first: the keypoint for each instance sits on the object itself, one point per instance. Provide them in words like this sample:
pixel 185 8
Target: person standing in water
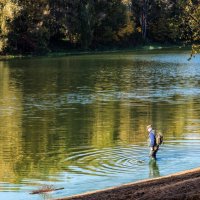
pixel 152 142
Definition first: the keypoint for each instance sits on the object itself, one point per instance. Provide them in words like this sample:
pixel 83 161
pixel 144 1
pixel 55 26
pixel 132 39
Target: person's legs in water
pixel 153 152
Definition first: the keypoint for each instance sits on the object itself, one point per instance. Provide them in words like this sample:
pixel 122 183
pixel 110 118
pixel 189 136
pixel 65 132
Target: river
pixel 79 122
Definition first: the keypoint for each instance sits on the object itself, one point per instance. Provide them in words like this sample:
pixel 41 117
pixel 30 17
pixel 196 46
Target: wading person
pixel 152 142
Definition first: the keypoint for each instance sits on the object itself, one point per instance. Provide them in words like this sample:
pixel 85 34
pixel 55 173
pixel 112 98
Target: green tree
pixel 8 11
pixel 140 10
pixel 28 26
pixel 111 19
pixel 80 21
pixel 191 24
pixel 95 23
pixel 165 18
pixel 157 20
pixel 30 32
pixel 58 14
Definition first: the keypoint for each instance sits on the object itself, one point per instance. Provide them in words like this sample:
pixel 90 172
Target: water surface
pixel 78 122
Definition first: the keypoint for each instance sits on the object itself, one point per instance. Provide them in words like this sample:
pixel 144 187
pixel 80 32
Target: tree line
pixel 29 26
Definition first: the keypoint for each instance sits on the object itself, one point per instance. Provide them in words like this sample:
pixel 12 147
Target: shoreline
pixel 181 185
pixel 149 47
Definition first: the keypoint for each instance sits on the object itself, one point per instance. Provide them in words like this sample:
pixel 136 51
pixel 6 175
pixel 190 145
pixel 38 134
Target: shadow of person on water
pixel 153 169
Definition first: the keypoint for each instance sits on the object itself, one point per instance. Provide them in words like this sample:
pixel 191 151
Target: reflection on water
pixel 10 126
pixel 79 122
pixel 153 169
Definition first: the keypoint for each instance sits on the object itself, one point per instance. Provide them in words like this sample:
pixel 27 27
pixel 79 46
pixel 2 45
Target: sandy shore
pixel 184 185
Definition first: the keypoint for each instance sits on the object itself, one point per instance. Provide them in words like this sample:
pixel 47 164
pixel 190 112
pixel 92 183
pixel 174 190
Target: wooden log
pixel 45 190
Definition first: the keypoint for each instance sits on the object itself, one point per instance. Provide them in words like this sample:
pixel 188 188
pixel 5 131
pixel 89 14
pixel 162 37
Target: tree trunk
pixel 144 18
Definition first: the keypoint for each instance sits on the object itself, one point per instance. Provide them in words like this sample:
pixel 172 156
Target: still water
pixel 79 122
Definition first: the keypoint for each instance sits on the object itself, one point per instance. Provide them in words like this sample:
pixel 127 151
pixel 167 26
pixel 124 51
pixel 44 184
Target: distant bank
pixel 91 52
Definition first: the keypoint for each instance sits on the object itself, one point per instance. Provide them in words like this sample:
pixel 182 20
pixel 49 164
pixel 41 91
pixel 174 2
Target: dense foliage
pixel 28 26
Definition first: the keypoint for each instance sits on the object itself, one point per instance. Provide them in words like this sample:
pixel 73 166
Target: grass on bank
pixel 63 52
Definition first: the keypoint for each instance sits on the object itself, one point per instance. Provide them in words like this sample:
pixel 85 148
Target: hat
pixel 149 126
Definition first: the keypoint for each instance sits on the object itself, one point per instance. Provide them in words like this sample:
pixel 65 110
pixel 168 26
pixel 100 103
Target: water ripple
pixel 105 162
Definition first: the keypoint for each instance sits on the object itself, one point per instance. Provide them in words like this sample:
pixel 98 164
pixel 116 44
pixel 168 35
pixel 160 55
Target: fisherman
pixel 152 142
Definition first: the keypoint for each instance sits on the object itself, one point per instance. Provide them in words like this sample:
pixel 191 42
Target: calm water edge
pixel 78 122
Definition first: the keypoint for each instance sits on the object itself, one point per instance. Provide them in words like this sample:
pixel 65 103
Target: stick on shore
pixel 45 190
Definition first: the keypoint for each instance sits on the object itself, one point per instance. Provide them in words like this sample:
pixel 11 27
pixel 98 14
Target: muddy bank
pixel 184 185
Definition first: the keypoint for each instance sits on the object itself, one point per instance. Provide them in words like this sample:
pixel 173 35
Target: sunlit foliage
pixel 8 11
pixel 28 26
pixel 191 23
